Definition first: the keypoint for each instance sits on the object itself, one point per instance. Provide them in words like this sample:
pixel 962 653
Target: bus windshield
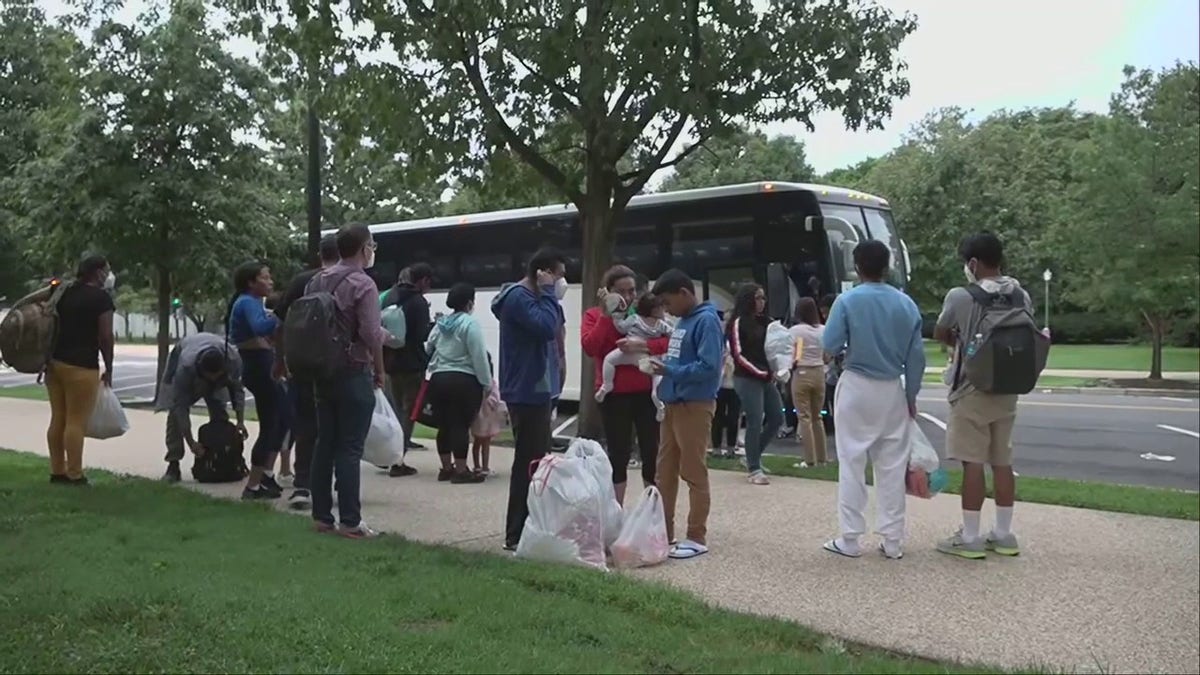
pixel 880 226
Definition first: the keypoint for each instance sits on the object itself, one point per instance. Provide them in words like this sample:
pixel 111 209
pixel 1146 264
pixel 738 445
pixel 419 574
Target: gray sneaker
pixel 1006 545
pixel 956 545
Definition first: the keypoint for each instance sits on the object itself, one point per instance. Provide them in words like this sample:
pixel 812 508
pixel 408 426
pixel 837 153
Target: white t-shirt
pixel 808 343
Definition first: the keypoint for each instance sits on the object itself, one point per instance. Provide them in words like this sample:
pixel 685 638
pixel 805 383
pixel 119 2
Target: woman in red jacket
pixel 629 407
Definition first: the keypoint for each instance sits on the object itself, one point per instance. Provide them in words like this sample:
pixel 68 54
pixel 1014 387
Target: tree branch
pixel 557 177
pixel 558 92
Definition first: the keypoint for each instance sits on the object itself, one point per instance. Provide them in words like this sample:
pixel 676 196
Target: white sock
pixel 970 526
pixel 1003 521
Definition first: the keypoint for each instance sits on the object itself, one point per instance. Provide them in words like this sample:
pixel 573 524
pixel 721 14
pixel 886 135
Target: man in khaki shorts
pixel 980 427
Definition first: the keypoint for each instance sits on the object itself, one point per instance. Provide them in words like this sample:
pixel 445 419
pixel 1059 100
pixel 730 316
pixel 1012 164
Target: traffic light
pixel 176 303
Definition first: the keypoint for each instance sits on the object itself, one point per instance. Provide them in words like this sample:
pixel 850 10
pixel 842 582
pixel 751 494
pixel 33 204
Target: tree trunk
pixel 163 271
pixel 596 222
pixel 313 184
pixel 1156 345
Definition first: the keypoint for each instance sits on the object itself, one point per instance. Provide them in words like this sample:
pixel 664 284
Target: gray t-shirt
pixel 960 313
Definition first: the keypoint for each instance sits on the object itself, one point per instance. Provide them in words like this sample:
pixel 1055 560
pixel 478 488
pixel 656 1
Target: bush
pixel 1087 328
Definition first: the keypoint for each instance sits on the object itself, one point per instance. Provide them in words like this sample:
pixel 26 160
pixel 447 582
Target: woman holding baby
pixel 633 329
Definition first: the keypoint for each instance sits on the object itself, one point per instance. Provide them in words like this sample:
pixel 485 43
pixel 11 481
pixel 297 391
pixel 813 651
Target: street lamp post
pixel 1046 277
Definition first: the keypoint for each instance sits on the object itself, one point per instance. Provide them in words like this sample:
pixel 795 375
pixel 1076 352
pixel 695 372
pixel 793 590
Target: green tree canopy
pixel 742 157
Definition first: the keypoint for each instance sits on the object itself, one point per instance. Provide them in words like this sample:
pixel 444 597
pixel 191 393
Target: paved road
pixel 1081 436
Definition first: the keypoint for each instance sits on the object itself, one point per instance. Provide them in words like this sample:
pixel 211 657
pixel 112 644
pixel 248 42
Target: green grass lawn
pixel 1146 501
pixel 1134 358
pixel 131 575
pixel 1043 381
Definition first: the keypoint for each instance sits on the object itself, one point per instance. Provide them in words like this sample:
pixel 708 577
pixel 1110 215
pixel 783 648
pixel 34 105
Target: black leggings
pixel 256 375
pixel 729 412
pixel 624 415
pixel 455 398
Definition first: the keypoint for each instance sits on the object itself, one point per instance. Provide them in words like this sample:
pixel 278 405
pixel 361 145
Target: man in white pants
pixel 879 329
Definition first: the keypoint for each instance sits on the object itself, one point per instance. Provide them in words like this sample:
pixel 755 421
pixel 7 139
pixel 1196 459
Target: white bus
pixel 793 238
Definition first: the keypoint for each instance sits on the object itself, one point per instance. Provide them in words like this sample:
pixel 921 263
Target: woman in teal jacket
pixel 459 377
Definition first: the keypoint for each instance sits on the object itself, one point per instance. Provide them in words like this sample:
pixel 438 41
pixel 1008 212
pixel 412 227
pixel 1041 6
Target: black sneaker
pixel 445 475
pixel 173 474
pixel 271 484
pixel 259 493
pixel 401 470
pixel 467 477
pixel 59 478
pixel 82 481
pixel 300 499
pixel 413 446
pixel 511 548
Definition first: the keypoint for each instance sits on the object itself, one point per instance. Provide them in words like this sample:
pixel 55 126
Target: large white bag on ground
pixel 597 460
pixel 780 346
pixel 565 522
pixel 643 540
pixel 385 439
pixel 108 417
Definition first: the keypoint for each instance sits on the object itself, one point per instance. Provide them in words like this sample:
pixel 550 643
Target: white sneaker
pixel 758 478
pixel 800 465
pixel 360 531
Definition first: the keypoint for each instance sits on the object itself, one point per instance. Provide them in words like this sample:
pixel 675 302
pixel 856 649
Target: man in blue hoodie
pixel 530 320
pixel 691 376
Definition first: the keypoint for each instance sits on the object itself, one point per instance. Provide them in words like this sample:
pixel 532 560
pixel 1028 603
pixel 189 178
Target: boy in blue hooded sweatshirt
pixel 530 321
pixel 691 375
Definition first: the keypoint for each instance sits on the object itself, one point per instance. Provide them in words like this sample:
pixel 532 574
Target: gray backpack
pixel 1004 352
pixel 316 340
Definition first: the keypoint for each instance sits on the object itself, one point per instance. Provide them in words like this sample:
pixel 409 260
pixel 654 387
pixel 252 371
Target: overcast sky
pixel 995 54
pixel 985 55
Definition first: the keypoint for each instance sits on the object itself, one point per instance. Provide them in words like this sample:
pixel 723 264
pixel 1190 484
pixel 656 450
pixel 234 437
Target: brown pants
pixel 808 395
pixel 682 447
pixel 72 392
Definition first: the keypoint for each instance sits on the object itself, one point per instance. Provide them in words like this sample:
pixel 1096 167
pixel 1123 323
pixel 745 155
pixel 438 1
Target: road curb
pixel 1101 391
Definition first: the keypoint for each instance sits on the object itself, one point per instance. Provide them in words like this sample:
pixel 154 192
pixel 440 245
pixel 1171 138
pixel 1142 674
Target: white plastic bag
pixel 643 540
pixel 597 460
pixel 921 454
pixel 108 417
pixel 565 522
pixel 385 439
pixel 780 346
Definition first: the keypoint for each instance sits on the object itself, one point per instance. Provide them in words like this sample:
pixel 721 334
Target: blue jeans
pixel 763 408
pixel 344 408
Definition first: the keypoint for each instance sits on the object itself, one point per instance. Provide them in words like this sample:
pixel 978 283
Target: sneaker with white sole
pixel 1006 545
pixel 360 531
pixel 843 548
pixel 300 499
pixel 957 545
pixel 758 478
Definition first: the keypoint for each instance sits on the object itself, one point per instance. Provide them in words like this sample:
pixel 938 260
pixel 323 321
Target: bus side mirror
pixel 779 292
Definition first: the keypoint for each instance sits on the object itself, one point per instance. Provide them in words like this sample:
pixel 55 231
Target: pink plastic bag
pixel 492 416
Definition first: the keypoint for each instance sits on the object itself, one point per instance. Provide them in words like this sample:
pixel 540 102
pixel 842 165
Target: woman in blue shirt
pixel 250 327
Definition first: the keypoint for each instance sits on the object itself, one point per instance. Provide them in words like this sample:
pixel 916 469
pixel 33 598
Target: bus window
pixel 882 227
pixel 561 233
pixel 637 249
pixel 696 247
pixel 850 214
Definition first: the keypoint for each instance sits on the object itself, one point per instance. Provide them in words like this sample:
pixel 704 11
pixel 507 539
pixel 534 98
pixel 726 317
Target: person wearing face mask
pixel 878 328
pixel 530 319
pixel 73 376
pixel 459 376
pixel 406 366
pixel 346 401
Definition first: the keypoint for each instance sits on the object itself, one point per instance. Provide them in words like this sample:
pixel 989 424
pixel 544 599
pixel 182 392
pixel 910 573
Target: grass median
pixel 131 575
pixel 1146 501
pixel 1131 357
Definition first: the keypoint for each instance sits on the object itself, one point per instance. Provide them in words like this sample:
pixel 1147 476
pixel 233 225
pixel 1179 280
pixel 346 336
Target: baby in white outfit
pixel 648 322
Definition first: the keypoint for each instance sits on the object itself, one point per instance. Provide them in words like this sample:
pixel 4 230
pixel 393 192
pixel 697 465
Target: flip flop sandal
pixel 832 547
pixel 687 551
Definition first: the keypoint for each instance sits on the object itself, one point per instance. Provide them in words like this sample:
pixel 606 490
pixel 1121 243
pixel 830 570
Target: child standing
pixel 691 373
pixel 647 322
pixel 729 413
pixel 487 424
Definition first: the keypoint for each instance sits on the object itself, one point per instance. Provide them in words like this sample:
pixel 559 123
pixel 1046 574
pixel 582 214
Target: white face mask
pixel 560 287
pixel 969 274
pixel 370 262
pixel 110 281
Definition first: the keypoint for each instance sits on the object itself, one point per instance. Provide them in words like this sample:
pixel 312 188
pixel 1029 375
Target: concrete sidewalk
pixel 1093 591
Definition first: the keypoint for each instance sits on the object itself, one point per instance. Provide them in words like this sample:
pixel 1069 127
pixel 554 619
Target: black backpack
pixel 316 341
pixel 1004 352
pixel 222 461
